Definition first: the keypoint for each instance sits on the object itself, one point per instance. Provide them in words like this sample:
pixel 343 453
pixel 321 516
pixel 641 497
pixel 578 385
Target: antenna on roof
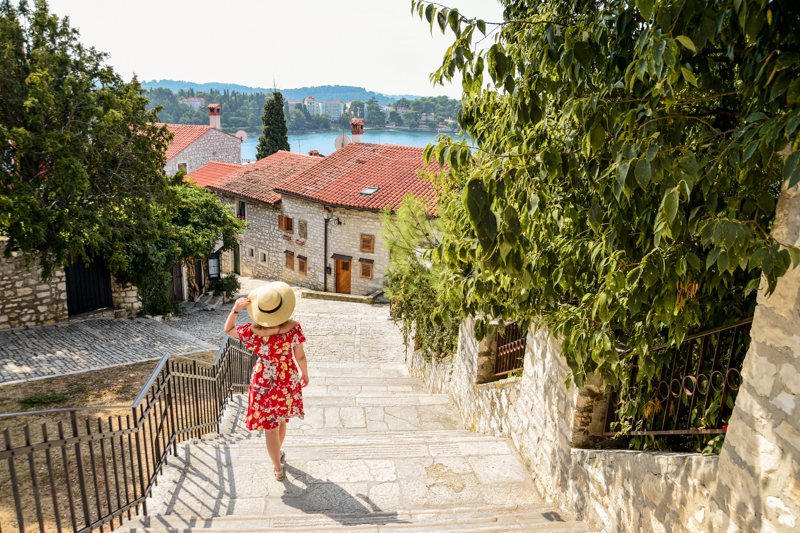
pixel 241 134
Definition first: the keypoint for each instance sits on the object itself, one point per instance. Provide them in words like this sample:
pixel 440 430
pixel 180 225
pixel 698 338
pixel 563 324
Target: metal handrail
pixel 182 399
pixel 688 385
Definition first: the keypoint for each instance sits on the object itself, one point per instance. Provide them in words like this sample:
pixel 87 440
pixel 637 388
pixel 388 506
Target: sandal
pixel 279 474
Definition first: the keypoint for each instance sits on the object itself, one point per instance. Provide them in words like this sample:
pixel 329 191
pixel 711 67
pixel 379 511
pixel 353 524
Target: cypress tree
pixel 275 131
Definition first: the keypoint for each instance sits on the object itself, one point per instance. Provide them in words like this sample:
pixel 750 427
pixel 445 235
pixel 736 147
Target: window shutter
pixel 366 270
pixel 367 244
pixel 301 266
pixel 280 222
pixel 289 225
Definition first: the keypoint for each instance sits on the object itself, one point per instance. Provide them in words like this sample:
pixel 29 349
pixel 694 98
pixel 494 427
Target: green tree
pixel 357 109
pixel 376 116
pixel 81 156
pixel 275 133
pixel 412 119
pixel 193 226
pixel 628 164
pixel 395 118
pixel 403 102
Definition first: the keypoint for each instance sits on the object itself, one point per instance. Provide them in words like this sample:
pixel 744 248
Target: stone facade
pixel 263 236
pixel 213 146
pixel 24 299
pixel 126 297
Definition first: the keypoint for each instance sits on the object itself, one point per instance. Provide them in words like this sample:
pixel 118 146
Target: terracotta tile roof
pixel 184 135
pixel 208 174
pixel 339 179
pixel 258 180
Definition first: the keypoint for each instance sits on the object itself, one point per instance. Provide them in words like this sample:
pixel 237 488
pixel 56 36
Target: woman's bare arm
pixel 302 362
pixel 230 324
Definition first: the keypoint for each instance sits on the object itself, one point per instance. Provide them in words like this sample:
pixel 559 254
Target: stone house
pixel 329 222
pixel 250 193
pixel 194 146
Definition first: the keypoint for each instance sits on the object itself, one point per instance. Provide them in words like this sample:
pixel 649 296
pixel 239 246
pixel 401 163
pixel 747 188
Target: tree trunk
pixel 194 290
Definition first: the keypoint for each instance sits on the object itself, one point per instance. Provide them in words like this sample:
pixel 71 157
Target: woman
pixel 276 385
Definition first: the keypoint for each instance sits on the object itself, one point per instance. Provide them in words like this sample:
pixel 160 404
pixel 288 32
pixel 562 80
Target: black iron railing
pixel 695 391
pixel 510 350
pixel 89 471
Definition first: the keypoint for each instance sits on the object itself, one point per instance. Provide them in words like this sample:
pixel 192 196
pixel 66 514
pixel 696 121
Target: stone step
pixel 537 517
pixel 326 438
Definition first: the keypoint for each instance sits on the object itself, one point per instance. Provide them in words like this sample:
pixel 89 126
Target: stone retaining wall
pixel 630 491
pixel 24 299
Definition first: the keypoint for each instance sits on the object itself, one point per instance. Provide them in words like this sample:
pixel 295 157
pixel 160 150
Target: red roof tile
pixel 258 180
pixel 184 135
pixel 208 174
pixel 340 177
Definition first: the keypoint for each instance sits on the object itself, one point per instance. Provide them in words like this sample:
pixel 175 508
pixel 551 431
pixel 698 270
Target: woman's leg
pixel 282 431
pixel 274 446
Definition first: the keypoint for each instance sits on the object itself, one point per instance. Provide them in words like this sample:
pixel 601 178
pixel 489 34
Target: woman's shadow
pixel 317 496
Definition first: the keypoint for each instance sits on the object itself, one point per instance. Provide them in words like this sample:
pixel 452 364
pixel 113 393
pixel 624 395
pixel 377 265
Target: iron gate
pixel 88 287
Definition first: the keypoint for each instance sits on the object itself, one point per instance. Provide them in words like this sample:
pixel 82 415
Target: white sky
pixel 375 44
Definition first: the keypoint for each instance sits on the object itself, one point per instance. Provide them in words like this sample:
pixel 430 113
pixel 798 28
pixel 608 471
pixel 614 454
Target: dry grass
pixel 116 386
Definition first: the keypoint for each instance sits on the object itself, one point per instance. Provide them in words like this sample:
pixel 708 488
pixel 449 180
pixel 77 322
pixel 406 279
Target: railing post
pixel 14 485
pixel 87 517
pixel 142 484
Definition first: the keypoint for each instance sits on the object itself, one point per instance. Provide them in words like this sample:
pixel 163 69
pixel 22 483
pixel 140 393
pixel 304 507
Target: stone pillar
pixel 759 467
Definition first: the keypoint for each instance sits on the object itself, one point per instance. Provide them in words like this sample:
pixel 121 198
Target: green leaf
pixel 652 152
pixel 791 169
pixel 487 230
pixel 597 137
pixel 595 217
pixel 498 64
pixel 693 261
pixel 633 277
pixel 642 173
pixel 755 116
pixel 712 258
pixel 429 11
pixel 454 20
pixel 669 204
pixel 689 76
pixel 583 54
pixel 685 41
pixel 481 26
pixel 474 198
pixel 622 172
pixel 766 202
pixel 441 19
pixel 645 8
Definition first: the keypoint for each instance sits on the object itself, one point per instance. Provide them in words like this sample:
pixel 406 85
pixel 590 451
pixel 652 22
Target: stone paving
pixel 71 347
pixel 374 452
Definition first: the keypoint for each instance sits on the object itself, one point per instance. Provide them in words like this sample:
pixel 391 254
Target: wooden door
pixel 88 287
pixel 176 284
pixel 237 267
pixel 342 276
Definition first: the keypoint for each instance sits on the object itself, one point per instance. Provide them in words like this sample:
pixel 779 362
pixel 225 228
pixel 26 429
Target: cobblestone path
pixel 374 453
pixel 70 347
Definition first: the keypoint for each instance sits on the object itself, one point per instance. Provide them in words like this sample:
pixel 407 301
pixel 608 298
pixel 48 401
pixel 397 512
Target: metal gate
pixel 176 284
pixel 199 275
pixel 88 287
pixel 510 349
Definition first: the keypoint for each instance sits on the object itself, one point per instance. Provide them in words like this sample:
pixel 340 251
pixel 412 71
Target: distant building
pixel 427 117
pixel 334 109
pixel 194 103
pixel 388 108
pixel 194 146
pixel 312 106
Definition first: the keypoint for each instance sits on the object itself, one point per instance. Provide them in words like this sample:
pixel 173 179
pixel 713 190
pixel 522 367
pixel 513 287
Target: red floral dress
pixel 275 390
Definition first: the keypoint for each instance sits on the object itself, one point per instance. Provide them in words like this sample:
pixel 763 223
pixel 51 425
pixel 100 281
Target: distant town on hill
pixel 324 92
pixel 312 113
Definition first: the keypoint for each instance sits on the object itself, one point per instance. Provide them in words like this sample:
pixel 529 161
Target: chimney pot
pixel 215 116
pixel 357 129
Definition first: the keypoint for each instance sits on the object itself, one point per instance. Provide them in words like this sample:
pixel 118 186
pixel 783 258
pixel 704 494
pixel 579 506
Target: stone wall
pixel 612 490
pixel 213 146
pixel 260 237
pixel 24 299
pixel 759 466
pixel 126 297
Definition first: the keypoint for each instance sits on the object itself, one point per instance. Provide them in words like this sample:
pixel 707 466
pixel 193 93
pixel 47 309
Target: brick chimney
pixel 357 129
pixel 315 153
pixel 215 116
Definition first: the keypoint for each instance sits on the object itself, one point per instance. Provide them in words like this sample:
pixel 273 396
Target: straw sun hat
pixel 271 304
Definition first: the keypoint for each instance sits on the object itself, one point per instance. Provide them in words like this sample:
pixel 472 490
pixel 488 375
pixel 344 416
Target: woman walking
pixel 276 385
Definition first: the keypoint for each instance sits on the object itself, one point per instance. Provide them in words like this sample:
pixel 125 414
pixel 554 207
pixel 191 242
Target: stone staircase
pixel 375 453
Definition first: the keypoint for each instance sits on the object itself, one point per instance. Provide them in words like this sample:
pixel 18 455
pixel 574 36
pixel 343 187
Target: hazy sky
pixel 375 44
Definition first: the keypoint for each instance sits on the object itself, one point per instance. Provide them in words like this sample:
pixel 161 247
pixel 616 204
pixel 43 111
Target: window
pixel 302 229
pixel 264 258
pixel 241 210
pixel 289 259
pixel 213 266
pixel 301 264
pixel 369 191
pixel 366 270
pixel 183 166
pixel 251 252
pixel 367 244
pixel 286 224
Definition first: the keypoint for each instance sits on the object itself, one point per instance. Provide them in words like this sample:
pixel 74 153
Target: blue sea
pixel 323 142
